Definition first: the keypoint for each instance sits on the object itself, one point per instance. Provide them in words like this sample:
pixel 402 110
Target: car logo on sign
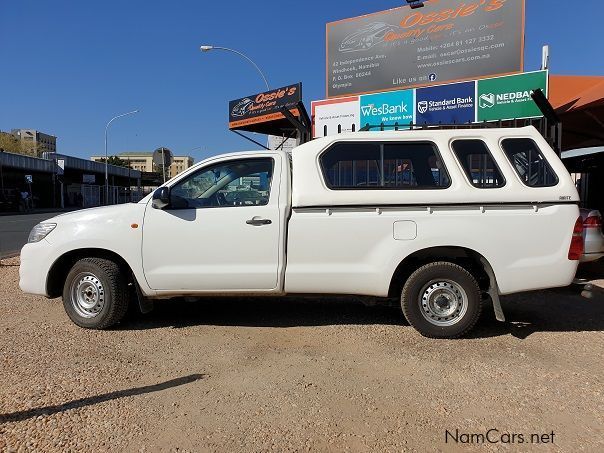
pixel 486 101
pixel 242 107
pixel 422 106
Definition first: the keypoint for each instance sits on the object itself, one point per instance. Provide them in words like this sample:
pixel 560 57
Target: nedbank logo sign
pixel 490 100
pixel 387 108
pixel 509 97
pixel 486 101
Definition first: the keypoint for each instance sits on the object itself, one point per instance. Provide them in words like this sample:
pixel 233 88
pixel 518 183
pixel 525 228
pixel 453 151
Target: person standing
pixel 25 200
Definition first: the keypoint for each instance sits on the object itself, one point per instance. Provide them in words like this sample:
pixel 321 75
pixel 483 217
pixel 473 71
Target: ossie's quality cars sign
pixel 445 41
pixel 264 107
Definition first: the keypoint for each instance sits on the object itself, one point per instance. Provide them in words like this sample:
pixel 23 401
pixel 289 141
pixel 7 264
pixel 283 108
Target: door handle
pixel 256 221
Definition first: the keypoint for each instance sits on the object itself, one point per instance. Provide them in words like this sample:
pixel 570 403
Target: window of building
pixel 371 165
pixel 478 164
pixel 529 162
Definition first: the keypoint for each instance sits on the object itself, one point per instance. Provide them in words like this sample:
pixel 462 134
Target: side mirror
pixel 161 198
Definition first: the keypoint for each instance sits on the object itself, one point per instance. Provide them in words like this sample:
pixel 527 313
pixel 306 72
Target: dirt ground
pixel 300 374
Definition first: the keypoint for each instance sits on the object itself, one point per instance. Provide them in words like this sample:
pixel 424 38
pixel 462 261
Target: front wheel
pixel 441 300
pixel 95 295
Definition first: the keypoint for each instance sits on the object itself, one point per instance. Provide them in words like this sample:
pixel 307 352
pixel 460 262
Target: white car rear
pixel 592 235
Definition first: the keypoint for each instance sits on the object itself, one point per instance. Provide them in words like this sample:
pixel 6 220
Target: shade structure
pixel 579 102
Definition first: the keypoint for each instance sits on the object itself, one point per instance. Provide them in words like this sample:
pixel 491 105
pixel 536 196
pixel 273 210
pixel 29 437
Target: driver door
pixel 220 231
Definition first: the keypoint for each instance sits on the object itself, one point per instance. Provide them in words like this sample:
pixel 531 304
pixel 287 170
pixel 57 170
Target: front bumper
pixel 35 265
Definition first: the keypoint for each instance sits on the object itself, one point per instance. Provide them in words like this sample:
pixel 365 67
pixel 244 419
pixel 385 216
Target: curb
pixel 7 255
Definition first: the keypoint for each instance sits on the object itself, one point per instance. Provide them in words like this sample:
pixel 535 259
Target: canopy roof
pixel 579 101
pixel 567 93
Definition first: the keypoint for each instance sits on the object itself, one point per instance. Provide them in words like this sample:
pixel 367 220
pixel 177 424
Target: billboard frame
pixel 424 85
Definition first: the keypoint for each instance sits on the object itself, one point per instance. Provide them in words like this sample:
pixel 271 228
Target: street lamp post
pixel 208 48
pixel 106 157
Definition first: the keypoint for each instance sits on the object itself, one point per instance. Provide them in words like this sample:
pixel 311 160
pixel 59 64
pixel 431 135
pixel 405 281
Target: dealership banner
pixel 264 107
pixel 498 98
pixel 388 108
pixel 331 116
pixel 446 104
pixel 505 98
pixel 445 41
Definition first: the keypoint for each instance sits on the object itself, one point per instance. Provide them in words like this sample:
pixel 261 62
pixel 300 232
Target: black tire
pixel 100 278
pixel 421 299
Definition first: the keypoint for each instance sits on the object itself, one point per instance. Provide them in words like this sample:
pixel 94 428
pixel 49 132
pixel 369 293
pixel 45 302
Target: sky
pixel 68 66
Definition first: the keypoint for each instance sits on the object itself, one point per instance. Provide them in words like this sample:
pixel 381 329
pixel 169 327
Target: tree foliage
pixel 116 160
pixel 11 144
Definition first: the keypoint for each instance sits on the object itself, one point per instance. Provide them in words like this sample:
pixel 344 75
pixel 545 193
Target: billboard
pixel 264 107
pixel 446 104
pixel 331 116
pixel 498 98
pixel 388 108
pixel 504 98
pixel 445 41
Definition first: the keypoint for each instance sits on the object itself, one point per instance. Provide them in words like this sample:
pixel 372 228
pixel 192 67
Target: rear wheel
pixel 95 295
pixel 441 300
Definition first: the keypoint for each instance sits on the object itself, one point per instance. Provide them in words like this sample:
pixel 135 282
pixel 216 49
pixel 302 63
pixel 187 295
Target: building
pixel 143 161
pixel 40 142
pixel 56 180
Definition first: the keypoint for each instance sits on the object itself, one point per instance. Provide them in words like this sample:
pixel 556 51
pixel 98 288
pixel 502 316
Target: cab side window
pixel 528 161
pixel 243 182
pixel 478 164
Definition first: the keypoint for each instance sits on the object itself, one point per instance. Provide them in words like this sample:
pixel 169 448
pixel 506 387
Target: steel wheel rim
pixel 443 302
pixel 87 295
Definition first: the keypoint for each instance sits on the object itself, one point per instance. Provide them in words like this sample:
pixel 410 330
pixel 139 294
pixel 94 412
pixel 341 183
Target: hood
pixel 113 211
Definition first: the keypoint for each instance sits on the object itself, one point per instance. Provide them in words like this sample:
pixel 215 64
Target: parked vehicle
pixel 440 219
pixel 592 235
pixel 9 200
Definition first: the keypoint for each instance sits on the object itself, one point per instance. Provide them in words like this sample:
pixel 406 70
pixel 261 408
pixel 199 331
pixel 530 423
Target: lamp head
pixel 206 48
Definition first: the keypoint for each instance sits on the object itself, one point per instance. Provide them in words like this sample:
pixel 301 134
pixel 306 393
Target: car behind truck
pixel 442 220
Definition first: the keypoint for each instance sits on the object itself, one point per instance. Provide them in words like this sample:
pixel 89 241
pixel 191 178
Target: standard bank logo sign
pixel 446 104
pixel 387 108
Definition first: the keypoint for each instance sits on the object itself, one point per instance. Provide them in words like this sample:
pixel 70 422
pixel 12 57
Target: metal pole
pixel 207 48
pixel 163 163
pixel 106 156
pixel 1 172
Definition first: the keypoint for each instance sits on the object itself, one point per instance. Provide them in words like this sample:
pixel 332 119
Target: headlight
pixel 40 231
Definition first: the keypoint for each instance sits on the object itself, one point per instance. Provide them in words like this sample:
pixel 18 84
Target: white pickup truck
pixel 443 220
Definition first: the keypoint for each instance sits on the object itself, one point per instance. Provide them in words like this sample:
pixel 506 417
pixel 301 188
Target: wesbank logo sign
pixel 384 109
pixel 509 97
pixel 387 108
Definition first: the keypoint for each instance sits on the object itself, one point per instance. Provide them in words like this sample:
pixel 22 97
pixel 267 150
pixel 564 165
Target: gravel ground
pixel 299 374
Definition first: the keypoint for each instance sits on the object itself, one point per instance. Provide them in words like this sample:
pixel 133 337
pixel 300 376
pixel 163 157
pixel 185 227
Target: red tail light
pixel 576 244
pixel 593 222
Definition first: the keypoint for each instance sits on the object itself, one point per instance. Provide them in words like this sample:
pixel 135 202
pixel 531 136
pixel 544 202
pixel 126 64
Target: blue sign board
pixel 388 108
pixel 446 104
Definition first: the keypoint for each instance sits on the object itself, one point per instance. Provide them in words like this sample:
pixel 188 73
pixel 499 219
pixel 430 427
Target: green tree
pixel 12 144
pixel 117 161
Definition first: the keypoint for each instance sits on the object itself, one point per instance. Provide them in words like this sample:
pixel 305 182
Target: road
pixel 14 230
pixel 300 374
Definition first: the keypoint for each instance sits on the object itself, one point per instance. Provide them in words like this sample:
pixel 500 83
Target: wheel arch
pixel 467 258
pixel 62 265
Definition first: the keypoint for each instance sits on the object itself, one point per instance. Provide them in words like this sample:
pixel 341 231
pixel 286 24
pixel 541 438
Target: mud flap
pixel 493 290
pixel 145 305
